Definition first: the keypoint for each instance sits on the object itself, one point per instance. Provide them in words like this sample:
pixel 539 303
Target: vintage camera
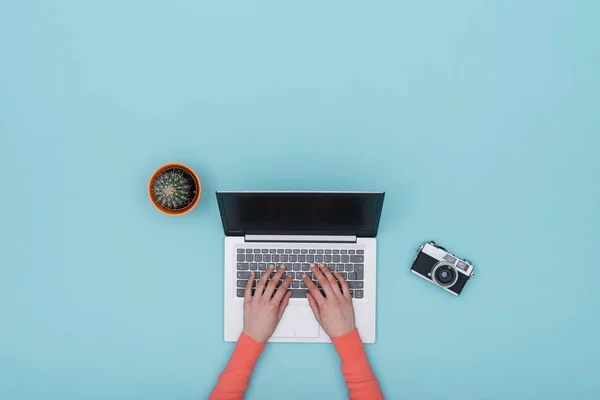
pixel 443 269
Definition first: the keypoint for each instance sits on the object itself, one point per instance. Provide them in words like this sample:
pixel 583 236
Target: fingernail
pixel 282 266
pixel 271 266
pixel 304 276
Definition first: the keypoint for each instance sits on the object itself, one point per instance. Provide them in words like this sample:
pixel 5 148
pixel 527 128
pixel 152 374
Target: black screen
pixel 310 213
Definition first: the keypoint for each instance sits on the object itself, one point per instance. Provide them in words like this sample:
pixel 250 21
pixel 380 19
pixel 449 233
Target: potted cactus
pixel 174 189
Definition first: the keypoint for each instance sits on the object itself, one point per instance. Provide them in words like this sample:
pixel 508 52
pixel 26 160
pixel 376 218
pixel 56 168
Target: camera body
pixel 435 264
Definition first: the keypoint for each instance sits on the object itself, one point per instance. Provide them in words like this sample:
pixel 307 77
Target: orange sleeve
pixel 235 378
pixel 361 383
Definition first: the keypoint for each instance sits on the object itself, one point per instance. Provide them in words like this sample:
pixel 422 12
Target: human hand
pixel 334 311
pixel 261 312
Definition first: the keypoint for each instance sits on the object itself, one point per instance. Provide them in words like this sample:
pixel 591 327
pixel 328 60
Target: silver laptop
pixel 296 229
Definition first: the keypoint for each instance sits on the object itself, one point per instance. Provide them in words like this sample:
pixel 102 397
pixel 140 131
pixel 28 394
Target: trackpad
pixel 297 322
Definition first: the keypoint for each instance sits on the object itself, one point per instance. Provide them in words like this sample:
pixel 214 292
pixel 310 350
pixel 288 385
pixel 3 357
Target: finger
pixel 312 288
pixel 325 285
pixel 271 286
pixel 314 307
pixel 248 292
pixel 345 288
pixel 284 303
pixel 331 280
pixel 282 290
pixel 260 287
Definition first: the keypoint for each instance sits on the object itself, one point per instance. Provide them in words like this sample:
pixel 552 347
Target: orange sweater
pixel 361 383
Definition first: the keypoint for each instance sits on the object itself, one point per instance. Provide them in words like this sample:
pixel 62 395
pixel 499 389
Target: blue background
pixel 480 119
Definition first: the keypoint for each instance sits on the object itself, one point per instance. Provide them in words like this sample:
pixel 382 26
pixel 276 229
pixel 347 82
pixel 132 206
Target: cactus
pixel 174 189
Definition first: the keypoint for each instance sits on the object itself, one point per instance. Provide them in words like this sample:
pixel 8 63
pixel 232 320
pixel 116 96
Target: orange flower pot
pixel 170 211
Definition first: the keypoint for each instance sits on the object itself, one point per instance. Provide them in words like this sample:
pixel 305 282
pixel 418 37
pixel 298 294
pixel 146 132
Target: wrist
pixel 254 336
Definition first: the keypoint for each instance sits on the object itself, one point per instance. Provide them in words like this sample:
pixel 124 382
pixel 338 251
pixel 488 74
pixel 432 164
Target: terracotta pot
pixel 169 211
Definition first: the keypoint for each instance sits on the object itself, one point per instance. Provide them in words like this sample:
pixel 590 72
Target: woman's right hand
pixel 334 311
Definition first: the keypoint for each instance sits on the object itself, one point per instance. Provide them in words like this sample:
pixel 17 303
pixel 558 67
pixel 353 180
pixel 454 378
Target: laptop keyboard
pixel 349 263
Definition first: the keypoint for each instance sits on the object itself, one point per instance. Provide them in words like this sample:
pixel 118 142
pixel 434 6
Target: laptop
pixel 296 229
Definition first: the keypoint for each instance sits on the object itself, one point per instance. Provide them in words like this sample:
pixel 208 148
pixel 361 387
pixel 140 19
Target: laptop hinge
pixel 300 238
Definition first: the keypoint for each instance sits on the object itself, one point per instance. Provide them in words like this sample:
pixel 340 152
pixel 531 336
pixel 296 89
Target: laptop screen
pixel 300 213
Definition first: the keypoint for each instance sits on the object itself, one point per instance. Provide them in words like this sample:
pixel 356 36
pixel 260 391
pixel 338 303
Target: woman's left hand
pixel 261 312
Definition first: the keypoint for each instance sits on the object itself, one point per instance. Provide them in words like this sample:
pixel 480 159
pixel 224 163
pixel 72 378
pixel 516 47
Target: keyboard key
pixel 351 293
pixel 356 284
pixel 298 276
pixel 241 257
pixel 288 251
pixel 253 266
pixel 267 257
pixel 242 283
pixel 302 258
pixel 275 258
pixel 357 259
pixel 241 251
pixel 358 294
pixel 344 275
pixel 360 271
pixel 349 268
pixel 360 252
pixel 306 267
pixel 331 267
pixel 336 252
pixel 272 251
pixel 249 257
pixel 258 257
pixel 256 250
pixel 327 251
pixel 288 266
pixel 345 258
pixel 350 251
pixel 240 292
pixel 339 267
pixel 327 259
pixel 309 274
pixel 296 251
pixel 352 276
pixel 298 294
pixel 295 284
pixel 303 285
pixel 344 251
pixel 264 251
pixel 243 266
pixel 293 258
pixel 319 258
pixel 336 258
pixel 248 250
pixel 319 251
pixel 243 274
pixel 284 258
pixel 310 258
pixel 297 267
pixel 311 251
pixel 280 251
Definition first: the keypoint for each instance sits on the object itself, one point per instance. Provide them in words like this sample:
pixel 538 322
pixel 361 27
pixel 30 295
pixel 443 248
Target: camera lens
pixel 444 275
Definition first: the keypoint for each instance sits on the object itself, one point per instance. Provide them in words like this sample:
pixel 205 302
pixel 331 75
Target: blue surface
pixel 480 120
